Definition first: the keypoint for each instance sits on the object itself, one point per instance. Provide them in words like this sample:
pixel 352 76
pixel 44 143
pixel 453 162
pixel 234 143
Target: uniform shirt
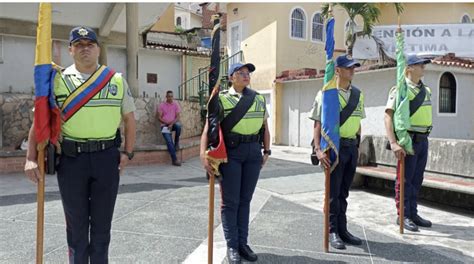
pixel 127 102
pixel 391 104
pixel 315 113
pixel 238 95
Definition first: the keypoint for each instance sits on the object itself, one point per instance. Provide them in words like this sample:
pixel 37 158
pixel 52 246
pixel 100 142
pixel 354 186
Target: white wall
pixel 16 71
pixel 298 97
pixel 166 65
pixel 18 65
pixel 459 125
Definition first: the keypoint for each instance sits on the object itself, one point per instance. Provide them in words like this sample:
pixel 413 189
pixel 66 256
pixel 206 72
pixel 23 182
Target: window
pixel 151 78
pixel 466 19
pixel 298 22
pixel 178 21
pixel 318 27
pixel 447 93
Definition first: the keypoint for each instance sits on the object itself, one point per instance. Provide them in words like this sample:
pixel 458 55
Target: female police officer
pixel 240 173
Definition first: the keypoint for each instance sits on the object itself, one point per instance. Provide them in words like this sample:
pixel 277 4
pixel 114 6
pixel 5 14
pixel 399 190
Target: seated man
pixel 168 114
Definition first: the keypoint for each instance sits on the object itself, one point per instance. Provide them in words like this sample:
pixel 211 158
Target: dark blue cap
pixel 79 33
pixel 346 61
pixel 413 60
pixel 237 66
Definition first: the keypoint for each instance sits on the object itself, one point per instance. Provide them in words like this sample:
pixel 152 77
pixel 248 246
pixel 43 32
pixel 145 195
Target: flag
pixel 401 117
pixel 216 153
pixel 47 116
pixel 330 102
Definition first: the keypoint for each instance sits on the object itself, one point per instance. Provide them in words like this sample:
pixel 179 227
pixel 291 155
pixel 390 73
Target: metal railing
pixel 197 86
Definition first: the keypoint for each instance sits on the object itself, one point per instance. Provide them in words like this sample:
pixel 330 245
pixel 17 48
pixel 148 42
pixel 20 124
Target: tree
pixel 369 13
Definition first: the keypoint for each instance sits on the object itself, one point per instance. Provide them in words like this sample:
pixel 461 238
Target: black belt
pixel 75 147
pixel 233 140
pixel 418 137
pixel 348 142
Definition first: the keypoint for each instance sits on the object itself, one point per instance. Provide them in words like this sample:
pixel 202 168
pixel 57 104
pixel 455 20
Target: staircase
pixel 197 88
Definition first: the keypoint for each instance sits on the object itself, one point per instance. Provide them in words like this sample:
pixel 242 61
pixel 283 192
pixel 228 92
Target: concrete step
pixel 432 180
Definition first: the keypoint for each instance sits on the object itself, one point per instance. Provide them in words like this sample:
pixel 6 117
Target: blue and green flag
pixel 330 102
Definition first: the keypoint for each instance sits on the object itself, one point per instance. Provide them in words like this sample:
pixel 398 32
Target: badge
pixel 83 32
pixel 113 89
pixel 349 57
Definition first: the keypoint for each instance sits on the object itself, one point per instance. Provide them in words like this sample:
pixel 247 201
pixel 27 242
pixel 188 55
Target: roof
pixel 204 52
pixel 176 42
pixel 450 59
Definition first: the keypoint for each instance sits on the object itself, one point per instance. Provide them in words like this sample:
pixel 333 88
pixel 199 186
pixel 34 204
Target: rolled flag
pixel 330 102
pixel 401 117
pixel 216 153
pixel 47 117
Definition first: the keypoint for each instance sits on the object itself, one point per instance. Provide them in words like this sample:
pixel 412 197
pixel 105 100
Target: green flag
pixel 401 117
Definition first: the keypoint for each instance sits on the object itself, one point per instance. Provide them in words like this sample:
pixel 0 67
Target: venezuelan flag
pixel 330 102
pixel 47 116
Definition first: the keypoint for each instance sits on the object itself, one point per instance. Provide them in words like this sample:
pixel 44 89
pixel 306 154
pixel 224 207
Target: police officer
pixel 90 161
pixel 349 131
pixel 420 127
pixel 244 154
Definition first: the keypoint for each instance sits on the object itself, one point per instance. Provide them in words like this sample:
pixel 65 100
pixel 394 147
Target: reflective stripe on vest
pixel 251 123
pixel 421 120
pixel 350 128
pixel 100 117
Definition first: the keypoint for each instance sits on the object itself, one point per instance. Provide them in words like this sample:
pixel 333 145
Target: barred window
pixel 318 27
pixel 466 19
pixel 447 93
pixel 298 21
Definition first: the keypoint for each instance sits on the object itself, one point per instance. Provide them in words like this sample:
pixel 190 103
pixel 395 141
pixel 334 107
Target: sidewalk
pixel 161 217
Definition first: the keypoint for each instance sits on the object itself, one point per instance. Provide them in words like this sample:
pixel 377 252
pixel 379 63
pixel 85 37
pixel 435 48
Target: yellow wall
pixel 267 43
pixel 426 13
pixel 166 21
pixel 259 30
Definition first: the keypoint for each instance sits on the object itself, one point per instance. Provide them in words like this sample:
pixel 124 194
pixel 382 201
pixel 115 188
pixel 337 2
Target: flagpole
pixel 327 190
pixel 327 186
pixel 210 228
pixel 40 206
pixel 401 176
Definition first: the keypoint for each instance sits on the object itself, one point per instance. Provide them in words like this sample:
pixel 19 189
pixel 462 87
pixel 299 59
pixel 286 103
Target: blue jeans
pixel 169 141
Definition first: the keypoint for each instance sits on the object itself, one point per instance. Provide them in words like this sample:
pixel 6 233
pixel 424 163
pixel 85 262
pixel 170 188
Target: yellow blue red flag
pixel 47 121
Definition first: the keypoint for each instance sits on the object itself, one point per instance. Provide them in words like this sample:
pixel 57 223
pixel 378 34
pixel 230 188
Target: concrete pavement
pixel 161 217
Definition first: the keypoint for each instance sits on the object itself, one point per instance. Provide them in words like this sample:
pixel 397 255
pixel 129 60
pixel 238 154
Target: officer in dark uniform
pixel 245 160
pixel 420 127
pixel 90 161
pixel 349 132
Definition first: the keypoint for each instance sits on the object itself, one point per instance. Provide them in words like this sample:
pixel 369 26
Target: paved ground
pixel 161 217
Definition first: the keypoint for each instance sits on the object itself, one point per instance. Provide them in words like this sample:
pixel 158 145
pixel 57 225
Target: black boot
pixel 408 224
pixel 420 221
pixel 335 241
pixel 247 253
pixel 233 256
pixel 349 238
